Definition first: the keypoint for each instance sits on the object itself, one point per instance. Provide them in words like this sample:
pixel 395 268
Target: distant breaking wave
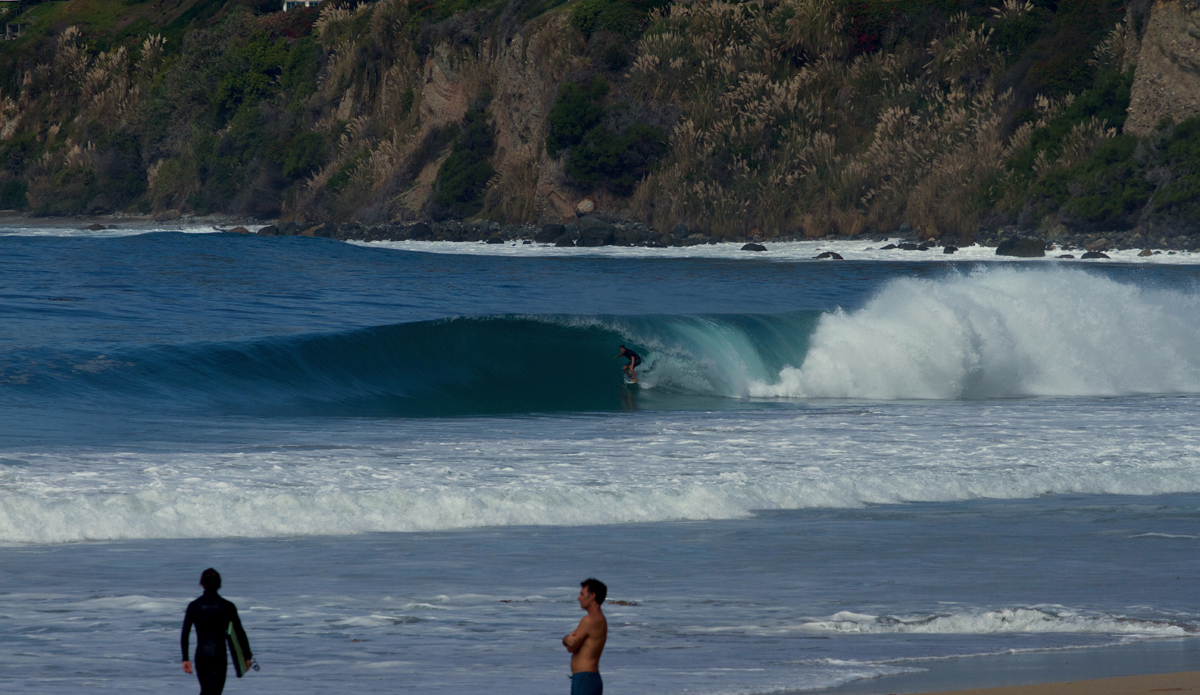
pixel 993 333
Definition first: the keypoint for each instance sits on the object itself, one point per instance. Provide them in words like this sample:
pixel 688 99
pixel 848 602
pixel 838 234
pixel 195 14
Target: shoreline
pixel 1130 668
pixel 1182 682
pixel 601 230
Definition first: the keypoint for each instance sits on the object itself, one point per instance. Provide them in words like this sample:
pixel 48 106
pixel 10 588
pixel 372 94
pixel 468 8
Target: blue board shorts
pixel 587 683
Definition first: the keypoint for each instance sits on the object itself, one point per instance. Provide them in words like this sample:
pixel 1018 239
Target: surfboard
pixel 237 649
pixel 633 384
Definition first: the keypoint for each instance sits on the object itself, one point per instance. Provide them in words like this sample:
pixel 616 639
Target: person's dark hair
pixel 210 579
pixel 620 347
pixel 596 587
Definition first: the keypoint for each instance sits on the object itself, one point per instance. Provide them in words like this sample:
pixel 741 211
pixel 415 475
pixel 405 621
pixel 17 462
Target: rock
pixel 239 230
pixel 1019 247
pixel 754 247
pixel 594 232
pixel 420 232
pixel 950 249
pixel 629 237
pixel 167 215
pixel 549 233
pixel 585 206
pixel 889 247
pixel 907 246
pixel 495 239
pixel 1094 254
pixel 1066 255
pixel 564 240
pixel 830 255
pixel 695 240
pixel 1146 252
pixel 526 241
pixel 94 227
pixel 681 231
pixel 1101 244
pixel 323 230
pixel 269 230
pixel 1167 81
pixel 924 247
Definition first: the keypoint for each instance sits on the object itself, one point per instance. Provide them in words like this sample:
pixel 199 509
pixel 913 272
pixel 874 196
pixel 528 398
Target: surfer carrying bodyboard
pixel 216 622
pixel 634 360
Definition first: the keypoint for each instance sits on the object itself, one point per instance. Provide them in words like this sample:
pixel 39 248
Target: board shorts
pixel 587 683
pixel 636 361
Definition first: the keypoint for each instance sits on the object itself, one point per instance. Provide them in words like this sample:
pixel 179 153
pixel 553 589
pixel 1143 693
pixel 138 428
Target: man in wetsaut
pixel 212 616
pixel 634 360
pixel 587 641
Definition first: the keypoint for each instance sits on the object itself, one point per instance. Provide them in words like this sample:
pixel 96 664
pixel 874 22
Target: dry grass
pixel 793 136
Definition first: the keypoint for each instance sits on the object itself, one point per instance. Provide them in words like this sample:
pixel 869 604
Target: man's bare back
pixel 587 642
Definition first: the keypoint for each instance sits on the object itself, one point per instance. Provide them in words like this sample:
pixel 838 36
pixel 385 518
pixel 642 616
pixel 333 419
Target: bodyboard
pixel 237 650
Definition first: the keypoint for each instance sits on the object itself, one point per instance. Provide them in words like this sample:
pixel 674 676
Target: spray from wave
pixel 1001 333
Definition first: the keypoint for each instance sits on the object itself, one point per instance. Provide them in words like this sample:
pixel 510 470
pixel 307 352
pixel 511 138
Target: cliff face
pixel 1167 82
pixel 761 117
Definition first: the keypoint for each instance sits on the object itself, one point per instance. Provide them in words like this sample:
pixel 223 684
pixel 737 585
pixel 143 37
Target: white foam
pixel 438 474
pixel 1037 619
pixel 1000 333
pixel 790 251
pixel 122 229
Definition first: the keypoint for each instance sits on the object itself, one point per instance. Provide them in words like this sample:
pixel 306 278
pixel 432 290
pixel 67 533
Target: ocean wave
pixel 1002 333
pixel 990 334
pixel 1035 619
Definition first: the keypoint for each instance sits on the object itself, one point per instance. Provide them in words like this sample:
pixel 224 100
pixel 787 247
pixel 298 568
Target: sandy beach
pixel 1185 682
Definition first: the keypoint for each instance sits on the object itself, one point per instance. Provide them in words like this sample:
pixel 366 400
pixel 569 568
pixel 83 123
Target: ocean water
pixel 404 457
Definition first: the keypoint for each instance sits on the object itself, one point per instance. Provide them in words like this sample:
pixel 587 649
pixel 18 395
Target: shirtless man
pixel 587 641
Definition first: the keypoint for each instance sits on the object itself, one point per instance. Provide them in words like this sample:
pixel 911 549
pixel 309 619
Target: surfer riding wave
pixel 634 360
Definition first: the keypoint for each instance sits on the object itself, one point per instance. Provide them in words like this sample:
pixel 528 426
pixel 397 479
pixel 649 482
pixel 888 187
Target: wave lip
pixel 1001 333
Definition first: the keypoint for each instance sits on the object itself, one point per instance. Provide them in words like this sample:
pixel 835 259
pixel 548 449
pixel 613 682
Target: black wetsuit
pixel 211 615
pixel 634 358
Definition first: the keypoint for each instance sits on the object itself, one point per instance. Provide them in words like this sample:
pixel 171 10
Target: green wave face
pixel 451 367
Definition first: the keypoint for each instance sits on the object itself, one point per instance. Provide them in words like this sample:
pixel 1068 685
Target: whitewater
pixel 404 460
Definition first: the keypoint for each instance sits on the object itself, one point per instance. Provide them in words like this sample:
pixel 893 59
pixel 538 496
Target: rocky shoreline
pixel 594 231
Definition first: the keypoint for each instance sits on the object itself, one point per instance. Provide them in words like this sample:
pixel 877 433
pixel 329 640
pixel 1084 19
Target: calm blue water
pixel 827 471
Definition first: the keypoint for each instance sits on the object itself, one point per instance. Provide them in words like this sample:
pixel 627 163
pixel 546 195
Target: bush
pixel 597 154
pixel 576 112
pixel 304 154
pixel 616 16
pixel 12 195
pixel 464 175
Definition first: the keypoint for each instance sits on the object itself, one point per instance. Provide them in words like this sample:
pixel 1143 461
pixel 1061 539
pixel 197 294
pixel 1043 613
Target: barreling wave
pixel 994 333
pixel 460 366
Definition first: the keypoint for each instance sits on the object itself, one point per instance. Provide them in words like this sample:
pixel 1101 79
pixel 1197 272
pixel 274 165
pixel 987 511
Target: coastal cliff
pixel 760 118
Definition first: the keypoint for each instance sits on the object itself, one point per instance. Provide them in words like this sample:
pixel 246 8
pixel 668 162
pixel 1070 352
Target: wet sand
pixel 1186 682
pixel 1042 673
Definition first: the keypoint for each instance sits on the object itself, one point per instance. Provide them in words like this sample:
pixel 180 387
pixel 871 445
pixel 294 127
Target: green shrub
pixel 577 111
pixel 598 155
pixel 304 154
pixel 464 175
pixel 12 195
pixel 617 161
pixel 615 16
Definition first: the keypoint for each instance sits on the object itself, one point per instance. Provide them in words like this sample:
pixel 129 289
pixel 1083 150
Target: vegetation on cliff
pixel 750 117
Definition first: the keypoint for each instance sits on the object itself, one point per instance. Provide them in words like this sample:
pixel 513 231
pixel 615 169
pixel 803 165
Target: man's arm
pixel 187 631
pixel 576 639
pixel 183 640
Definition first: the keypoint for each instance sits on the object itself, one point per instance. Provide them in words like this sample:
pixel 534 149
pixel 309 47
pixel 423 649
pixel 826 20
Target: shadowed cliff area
pixel 761 118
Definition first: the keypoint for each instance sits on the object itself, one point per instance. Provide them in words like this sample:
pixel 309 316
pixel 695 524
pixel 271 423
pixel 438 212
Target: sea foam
pixel 1001 333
